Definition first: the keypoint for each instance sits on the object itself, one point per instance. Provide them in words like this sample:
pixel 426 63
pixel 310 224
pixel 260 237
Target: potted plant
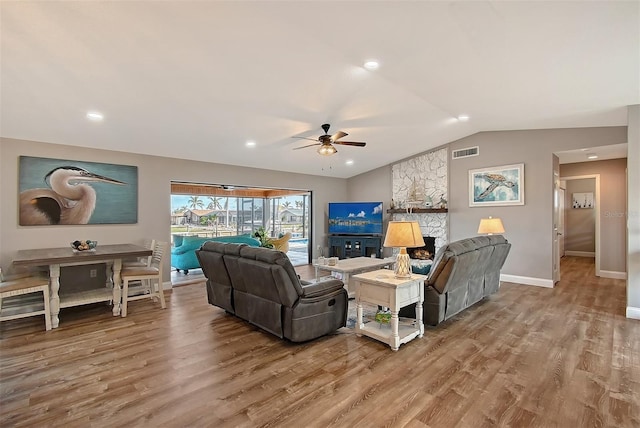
pixel 261 235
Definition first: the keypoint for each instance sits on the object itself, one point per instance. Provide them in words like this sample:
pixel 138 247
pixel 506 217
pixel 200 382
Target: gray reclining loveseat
pixel 463 273
pixel 261 286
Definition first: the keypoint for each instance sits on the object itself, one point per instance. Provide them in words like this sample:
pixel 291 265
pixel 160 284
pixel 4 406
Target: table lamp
pixel 403 234
pixel 490 226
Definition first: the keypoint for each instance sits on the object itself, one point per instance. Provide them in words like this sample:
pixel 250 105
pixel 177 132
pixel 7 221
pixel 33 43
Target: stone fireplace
pixel 427 171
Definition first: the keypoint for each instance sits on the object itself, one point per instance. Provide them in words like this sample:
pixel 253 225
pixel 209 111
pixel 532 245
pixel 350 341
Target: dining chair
pixel 141 261
pixel 26 308
pixel 150 278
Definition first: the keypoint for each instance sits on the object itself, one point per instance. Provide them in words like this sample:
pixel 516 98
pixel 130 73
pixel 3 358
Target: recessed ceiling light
pixel 349 162
pixel 371 65
pixel 250 143
pixel 592 156
pixel 94 115
pixel 463 117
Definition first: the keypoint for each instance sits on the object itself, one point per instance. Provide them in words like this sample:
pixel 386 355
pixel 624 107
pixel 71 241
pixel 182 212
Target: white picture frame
pixel 497 186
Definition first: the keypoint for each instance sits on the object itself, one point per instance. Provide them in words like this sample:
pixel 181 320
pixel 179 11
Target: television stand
pixel 347 246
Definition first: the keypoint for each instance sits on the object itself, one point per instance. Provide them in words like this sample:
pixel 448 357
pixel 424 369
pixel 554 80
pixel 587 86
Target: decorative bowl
pixel 86 245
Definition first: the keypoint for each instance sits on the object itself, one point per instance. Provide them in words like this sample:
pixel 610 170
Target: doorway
pixel 581 217
pixel 214 210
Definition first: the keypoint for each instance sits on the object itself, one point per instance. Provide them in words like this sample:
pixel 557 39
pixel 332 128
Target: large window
pixel 222 210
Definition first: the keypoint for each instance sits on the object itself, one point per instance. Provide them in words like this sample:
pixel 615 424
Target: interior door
pixel 556 219
pixel 561 215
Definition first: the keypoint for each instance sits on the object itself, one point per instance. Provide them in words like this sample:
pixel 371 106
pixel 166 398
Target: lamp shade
pixel 490 226
pixel 403 234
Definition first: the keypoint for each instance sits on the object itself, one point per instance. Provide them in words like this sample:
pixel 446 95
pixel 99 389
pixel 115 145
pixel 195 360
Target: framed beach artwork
pixel 497 186
pixel 69 192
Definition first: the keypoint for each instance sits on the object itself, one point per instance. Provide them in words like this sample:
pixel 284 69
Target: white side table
pixel 381 287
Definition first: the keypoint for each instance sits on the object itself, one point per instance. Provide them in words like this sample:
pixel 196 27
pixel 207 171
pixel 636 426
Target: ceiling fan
pixel 327 141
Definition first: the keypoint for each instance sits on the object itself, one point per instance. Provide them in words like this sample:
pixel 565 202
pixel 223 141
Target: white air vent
pixel 465 153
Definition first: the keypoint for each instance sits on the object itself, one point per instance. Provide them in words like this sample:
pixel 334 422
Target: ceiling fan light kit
pixel 327 150
pixel 326 142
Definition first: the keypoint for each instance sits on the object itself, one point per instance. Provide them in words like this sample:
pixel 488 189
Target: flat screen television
pixel 355 218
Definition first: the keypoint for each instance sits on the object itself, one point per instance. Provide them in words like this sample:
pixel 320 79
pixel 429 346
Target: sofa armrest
pixel 190 243
pixel 320 288
pixel 182 249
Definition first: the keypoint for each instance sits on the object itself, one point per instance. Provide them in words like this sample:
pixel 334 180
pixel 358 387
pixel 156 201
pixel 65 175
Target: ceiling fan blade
pixel 306 138
pixel 350 143
pixel 310 145
pixel 338 135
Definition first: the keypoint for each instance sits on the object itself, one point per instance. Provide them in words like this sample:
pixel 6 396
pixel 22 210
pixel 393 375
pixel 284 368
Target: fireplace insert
pixel 425 252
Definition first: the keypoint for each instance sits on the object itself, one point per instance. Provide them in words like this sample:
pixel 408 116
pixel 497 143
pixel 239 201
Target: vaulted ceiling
pixel 197 80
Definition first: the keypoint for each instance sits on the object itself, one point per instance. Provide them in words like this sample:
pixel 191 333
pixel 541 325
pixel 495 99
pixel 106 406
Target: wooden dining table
pixel 55 258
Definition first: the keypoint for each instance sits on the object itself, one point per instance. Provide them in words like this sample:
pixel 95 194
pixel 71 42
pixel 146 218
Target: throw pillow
pixel 421 270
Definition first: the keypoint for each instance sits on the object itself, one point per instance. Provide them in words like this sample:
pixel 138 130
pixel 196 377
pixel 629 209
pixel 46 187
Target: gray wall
pixel 154 177
pixel 374 185
pixel 613 194
pixel 580 224
pixel 633 213
pixel 528 227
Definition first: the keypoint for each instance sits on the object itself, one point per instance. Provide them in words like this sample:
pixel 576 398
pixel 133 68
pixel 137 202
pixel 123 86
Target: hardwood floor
pixel 527 356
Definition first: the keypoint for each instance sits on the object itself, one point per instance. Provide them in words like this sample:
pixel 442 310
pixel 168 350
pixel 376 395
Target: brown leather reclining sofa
pixel 261 286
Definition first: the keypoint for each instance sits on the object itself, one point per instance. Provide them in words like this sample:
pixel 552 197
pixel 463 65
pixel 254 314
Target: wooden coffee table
pixel 354 266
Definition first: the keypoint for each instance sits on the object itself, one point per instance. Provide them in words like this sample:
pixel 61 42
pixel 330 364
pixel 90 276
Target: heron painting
pixel 65 192
pixel 497 186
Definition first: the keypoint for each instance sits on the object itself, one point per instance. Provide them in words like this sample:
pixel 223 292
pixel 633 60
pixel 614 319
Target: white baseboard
pixel 633 313
pixel 580 253
pixel 613 274
pixel 167 285
pixel 525 280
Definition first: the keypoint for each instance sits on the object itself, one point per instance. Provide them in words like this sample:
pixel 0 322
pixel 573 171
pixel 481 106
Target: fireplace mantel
pixel 417 210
